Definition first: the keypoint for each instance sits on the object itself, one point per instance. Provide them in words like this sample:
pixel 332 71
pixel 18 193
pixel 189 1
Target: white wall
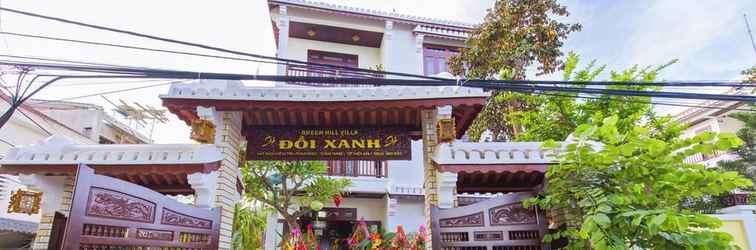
pixel 408 172
pixel 403 54
pixel 409 214
pixel 366 56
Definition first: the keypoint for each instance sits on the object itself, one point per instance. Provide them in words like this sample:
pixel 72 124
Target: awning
pixel 161 167
pixel 494 167
pixel 387 106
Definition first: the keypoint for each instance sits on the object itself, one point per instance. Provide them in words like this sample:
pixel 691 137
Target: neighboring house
pixel 354 37
pixel 30 125
pixel 717 120
pixel 90 120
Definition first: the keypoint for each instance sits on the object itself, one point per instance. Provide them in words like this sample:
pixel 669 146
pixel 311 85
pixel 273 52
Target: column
pixel 228 139
pixel 392 208
pixel 57 192
pixel 430 178
pixel 205 188
pixel 447 190
pixel 419 40
pixel 386 47
pixel 283 36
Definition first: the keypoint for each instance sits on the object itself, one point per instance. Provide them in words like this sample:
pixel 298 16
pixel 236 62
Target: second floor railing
pixel 378 169
pixel 701 157
pixel 320 71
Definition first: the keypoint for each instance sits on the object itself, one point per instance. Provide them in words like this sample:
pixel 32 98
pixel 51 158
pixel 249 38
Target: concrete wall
pixel 409 214
pixel 366 56
pixel 408 172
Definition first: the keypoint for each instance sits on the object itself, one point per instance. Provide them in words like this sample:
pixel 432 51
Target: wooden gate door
pixel 496 224
pixel 108 213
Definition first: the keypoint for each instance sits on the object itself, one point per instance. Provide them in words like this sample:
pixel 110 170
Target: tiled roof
pixel 440 32
pixel 235 90
pixel 19 226
pixel 57 150
pixel 371 12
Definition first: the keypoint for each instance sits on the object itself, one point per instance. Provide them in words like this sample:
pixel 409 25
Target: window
pixel 435 59
pixel 332 58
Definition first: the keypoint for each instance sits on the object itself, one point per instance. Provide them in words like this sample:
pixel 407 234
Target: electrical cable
pixel 20 110
pixel 140 48
pixel 501 85
pixel 108 92
pixel 208 47
pixel 709 83
pixel 654 103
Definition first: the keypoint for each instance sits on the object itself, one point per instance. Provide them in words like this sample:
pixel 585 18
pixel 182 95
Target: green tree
pixel 746 164
pixel 553 116
pixel 623 188
pixel 621 181
pixel 285 185
pixel 514 35
pixel 249 226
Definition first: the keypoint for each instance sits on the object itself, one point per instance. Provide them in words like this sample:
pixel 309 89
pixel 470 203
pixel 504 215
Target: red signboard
pixel 328 144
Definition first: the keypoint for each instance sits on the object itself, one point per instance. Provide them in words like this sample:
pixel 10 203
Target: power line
pixel 708 83
pixel 35 122
pixel 651 102
pixel 138 48
pixel 107 92
pixel 208 47
pixel 69 61
pixel 522 86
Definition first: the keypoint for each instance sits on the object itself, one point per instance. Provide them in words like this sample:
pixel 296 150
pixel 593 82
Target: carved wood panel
pixel 496 223
pixel 512 214
pixel 107 213
pixel 116 205
pixel 472 220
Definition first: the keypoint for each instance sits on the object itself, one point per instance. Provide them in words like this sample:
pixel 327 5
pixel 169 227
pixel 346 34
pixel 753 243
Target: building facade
pixel 32 123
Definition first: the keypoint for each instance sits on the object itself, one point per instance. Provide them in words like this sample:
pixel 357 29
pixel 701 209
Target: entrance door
pixel 108 213
pixel 56 233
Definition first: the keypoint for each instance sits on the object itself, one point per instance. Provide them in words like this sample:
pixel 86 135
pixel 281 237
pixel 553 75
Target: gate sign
pixel 328 144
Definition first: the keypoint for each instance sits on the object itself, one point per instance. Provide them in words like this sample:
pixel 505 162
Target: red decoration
pixel 337 200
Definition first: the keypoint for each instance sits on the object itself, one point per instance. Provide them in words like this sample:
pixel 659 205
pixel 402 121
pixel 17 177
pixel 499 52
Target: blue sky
pixel 708 37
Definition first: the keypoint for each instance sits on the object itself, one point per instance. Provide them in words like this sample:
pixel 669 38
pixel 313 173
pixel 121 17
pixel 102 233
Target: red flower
pixel 337 200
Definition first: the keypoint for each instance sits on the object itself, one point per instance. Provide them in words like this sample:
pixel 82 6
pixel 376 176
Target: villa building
pixel 419 170
pixel 700 119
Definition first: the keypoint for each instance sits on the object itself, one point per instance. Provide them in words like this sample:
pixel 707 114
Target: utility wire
pixel 499 85
pixel 651 102
pixel 35 122
pixel 208 47
pixel 708 83
pixel 139 48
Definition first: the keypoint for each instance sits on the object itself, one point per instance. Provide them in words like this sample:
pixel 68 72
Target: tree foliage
pixel 514 35
pixel 285 186
pixel 621 180
pixel 553 116
pixel 623 188
pixel 249 226
pixel 746 164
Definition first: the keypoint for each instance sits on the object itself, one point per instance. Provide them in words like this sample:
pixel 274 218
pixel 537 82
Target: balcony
pixel 377 169
pixel 319 71
pixel 711 160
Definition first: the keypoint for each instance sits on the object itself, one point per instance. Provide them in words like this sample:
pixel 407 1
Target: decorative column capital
pixel 446 130
pixel 203 128
pixel 447 193
pixel 205 187
pixel 419 40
